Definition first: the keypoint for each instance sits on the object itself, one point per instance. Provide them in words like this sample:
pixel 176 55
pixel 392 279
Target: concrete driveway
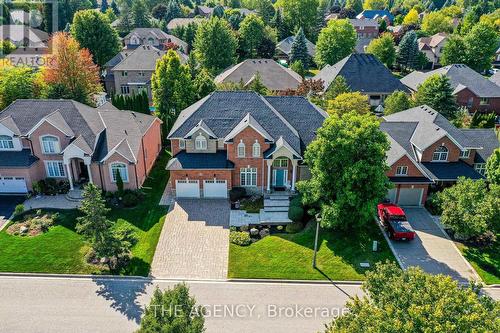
pixel 194 242
pixel 432 250
pixel 7 205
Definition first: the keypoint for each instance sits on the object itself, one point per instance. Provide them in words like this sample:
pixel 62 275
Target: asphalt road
pixel 115 305
pixel 7 205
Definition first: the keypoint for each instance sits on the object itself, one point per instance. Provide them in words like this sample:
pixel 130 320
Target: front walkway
pixel 194 242
pixel 58 201
pixel 432 250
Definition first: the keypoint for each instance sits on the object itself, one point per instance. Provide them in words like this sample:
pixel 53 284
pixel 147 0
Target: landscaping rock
pixel 264 233
pixel 104 260
pixel 244 228
pixel 23 229
pixel 254 232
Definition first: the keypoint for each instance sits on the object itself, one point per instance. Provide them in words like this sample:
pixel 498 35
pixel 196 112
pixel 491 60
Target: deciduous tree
pixel 383 48
pixel 413 301
pixel 481 45
pixel 338 86
pixel 299 14
pixel 396 102
pixel 435 22
pixel 411 18
pixel 349 102
pixel 454 51
pixel 251 33
pixel 493 167
pixel 265 9
pixel 16 83
pixel 375 4
pixel 351 147
pixel 335 42
pixel 93 31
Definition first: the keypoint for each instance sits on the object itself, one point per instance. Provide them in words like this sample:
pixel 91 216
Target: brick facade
pixel 453 150
pixel 413 171
pixel 468 99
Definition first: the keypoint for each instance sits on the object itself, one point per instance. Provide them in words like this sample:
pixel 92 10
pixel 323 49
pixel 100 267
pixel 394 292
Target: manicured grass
pixel 62 250
pixel 486 261
pixel 252 206
pixel 289 256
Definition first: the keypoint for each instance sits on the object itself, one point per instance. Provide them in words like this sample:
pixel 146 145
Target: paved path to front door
pixel 194 242
pixel 432 250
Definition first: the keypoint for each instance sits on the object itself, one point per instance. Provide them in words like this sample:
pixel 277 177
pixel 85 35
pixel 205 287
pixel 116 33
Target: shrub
pixel 39 187
pixel 63 186
pixel 236 193
pixel 433 204
pixel 19 210
pixel 294 227
pixel 296 213
pixel 130 200
pixel 239 238
pixel 50 186
pixel 125 233
pixel 119 183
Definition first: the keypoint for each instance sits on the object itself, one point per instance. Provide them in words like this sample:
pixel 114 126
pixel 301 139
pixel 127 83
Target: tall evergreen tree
pixel 114 7
pixel 437 93
pixel 104 6
pixel 299 49
pixel 407 55
pixel 280 25
pixel 140 14
pixel 265 9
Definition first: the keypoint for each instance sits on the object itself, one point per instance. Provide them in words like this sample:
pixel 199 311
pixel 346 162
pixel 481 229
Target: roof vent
pixel 125 132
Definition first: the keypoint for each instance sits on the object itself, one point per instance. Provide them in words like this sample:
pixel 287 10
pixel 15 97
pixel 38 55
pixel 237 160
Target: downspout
pixel 136 180
pixel 144 158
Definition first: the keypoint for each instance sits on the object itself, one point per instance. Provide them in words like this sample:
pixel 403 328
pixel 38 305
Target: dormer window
pixel 464 153
pixel 402 170
pixel 151 41
pixel 6 142
pixel 182 144
pixel 50 145
pixel 440 154
pixel 256 149
pixel 201 142
pixel 241 149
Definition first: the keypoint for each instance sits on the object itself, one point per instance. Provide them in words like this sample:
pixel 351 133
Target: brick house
pixel 377 15
pixel 67 140
pixel 241 139
pixel 366 31
pixel 471 89
pixel 427 150
pixel 432 47
pixel 153 37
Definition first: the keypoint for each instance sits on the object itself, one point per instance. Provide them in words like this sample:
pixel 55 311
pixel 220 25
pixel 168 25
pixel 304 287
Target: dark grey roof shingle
pixel 185 160
pixel 450 171
pixel 16 159
pixel 487 138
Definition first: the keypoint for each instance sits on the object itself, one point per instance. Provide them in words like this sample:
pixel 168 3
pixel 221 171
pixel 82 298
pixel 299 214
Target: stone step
pixel 276 209
pixel 278 197
pixel 274 217
pixel 276 203
pixel 74 195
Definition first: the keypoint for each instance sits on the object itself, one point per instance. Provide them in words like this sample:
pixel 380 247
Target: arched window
pixel 201 142
pixel 241 149
pixel 440 154
pixel 256 149
pixel 134 41
pixel 6 142
pixel 119 168
pixel 50 145
pixel 151 41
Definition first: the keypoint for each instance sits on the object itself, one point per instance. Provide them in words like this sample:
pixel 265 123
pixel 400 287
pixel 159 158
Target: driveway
pixel 194 242
pixel 432 250
pixel 7 205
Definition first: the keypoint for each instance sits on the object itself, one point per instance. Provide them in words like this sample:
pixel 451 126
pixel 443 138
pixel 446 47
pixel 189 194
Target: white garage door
pixel 215 189
pixel 410 196
pixel 391 195
pixel 13 185
pixel 187 189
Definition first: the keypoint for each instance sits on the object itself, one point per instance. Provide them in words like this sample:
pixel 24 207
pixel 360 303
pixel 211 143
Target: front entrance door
pixel 279 177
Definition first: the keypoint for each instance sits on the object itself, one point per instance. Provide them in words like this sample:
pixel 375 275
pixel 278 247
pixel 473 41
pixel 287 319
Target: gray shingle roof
pixel 17 33
pixel 144 33
pixel 495 78
pixel 487 138
pixel 450 171
pixel 363 73
pixel 17 159
pixel 223 110
pixel 460 76
pixel 274 76
pixel 143 58
pixel 285 46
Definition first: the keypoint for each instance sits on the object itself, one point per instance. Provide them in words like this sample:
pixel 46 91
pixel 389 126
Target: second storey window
pixel 55 169
pixel 248 176
pixel 256 150
pixel 402 170
pixel 200 142
pixel 182 144
pixel 464 153
pixel 50 145
pixel 241 149
pixel 6 142
pixel 124 73
pixel 440 154
pixel 119 168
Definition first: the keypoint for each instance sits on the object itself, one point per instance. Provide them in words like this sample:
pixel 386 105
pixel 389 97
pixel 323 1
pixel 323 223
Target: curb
pixel 277 281
pixel 74 276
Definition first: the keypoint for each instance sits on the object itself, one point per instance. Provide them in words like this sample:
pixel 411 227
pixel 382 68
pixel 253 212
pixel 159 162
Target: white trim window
pixel 440 154
pixel 50 144
pixel 480 168
pixel 281 162
pixel 200 142
pixel 182 144
pixel 121 168
pixel 55 169
pixel 402 170
pixel 6 142
pixel 256 149
pixel 125 90
pixel 241 149
pixel 465 153
pixel 484 101
pixel 248 176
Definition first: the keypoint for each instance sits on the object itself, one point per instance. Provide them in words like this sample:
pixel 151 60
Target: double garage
pixel 212 188
pixel 13 185
pixel 407 196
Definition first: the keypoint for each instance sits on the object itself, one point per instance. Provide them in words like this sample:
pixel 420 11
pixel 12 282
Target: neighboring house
pixel 284 48
pixel 241 139
pixel 426 149
pixel 183 21
pixel 496 62
pixel 397 30
pixel 471 89
pixel 377 15
pixel 363 73
pixel 366 30
pixel 432 47
pixel 275 77
pixel 23 35
pixel 67 140
pixel 28 56
pixel 204 11
pixel 153 37
pixel 130 71
pixel 495 78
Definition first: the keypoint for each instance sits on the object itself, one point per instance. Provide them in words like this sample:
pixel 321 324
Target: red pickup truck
pixel 394 219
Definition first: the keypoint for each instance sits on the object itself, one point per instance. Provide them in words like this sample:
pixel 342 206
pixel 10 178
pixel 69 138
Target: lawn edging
pixel 281 281
pixel 388 241
pixel 7 222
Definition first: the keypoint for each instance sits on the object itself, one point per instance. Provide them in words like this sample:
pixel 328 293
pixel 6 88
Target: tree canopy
pixel 335 42
pixel 251 34
pixel 17 83
pixel 493 167
pixel 299 14
pixel 435 22
pixel 351 147
pixel 437 93
pixel 383 48
pixel 408 53
pixel 349 102
pixel 396 102
pixel 299 51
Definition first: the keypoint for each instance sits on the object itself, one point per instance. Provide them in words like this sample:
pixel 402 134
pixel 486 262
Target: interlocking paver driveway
pixel 431 249
pixel 194 242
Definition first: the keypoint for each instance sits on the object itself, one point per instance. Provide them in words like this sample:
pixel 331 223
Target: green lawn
pixel 486 261
pixel 289 256
pixel 61 249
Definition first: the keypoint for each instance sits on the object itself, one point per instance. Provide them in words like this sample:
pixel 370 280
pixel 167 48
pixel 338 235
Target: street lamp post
pixel 318 220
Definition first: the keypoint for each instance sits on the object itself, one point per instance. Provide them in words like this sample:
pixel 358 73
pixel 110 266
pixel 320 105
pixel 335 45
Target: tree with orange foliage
pixel 69 71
